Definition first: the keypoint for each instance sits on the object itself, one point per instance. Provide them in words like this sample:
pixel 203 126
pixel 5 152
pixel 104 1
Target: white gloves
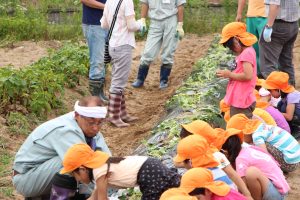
pixel 143 26
pixel 179 30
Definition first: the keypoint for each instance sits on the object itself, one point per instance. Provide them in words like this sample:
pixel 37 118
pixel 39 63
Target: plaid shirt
pixel 289 9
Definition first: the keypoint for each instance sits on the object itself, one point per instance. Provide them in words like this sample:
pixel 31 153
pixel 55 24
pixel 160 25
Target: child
pixel 176 194
pixel 239 93
pixel 262 101
pixel 259 170
pixel 197 151
pixel 279 143
pixel 150 174
pixel 258 113
pixel 277 84
pixel 199 182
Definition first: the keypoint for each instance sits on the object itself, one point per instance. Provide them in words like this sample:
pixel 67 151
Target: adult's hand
pixel 179 30
pixel 267 33
pixel 143 26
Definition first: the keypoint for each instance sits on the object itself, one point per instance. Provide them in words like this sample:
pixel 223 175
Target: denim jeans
pixel 95 37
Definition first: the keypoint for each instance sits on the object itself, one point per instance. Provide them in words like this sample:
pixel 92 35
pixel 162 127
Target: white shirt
pixel 120 35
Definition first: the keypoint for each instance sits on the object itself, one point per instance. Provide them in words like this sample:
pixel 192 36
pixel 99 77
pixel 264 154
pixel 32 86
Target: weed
pixel 18 123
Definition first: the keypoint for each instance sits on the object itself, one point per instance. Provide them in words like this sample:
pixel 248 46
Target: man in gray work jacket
pixel 166 28
pixel 40 157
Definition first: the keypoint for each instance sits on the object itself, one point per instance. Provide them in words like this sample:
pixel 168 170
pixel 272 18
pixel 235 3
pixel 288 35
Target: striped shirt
pixel 289 9
pixel 280 139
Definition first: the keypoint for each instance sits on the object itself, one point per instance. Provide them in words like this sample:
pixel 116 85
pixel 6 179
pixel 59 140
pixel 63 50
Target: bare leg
pixel 256 182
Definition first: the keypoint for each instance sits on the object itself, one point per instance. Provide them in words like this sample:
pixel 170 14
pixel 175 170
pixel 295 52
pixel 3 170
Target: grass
pixel 27 20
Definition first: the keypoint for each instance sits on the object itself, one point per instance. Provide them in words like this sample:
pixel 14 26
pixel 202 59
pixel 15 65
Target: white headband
pixel 94 112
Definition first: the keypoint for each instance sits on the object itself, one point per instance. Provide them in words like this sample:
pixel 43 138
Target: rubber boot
pixel 63 187
pixel 114 110
pixel 142 74
pixel 165 71
pixel 124 115
pixel 96 88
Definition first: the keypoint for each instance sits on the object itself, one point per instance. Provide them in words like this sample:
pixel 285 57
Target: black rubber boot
pixel 96 88
pixel 142 74
pixel 165 71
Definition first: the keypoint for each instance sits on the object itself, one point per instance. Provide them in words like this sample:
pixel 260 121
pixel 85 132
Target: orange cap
pixel 202 128
pixel 82 155
pixel 265 116
pixel 196 148
pixel 223 106
pixel 203 178
pixel 262 104
pixel 243 123
pixel 259 81
pixel 256 94
pixel 176 194
pixel 227 116
pixel 229 132
pixel 237 29
pixel 278 80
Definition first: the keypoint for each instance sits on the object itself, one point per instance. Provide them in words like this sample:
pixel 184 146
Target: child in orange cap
pixel 258 113
pixel 263 102
pixel 278 85
pixel 258 169
pixel 149 174
pixel 194 151
pixel 239 93
pixel 278 142
pixel 199 182
pixel 176 194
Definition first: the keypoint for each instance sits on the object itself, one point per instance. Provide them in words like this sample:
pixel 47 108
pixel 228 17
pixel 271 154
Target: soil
pixel 147 103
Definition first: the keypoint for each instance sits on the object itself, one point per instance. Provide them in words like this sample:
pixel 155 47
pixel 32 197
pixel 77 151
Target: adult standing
pixel 40 157
pixel 121 43
pixel 92 11
pixel 279 35
pixel 255 21
pixel 166 28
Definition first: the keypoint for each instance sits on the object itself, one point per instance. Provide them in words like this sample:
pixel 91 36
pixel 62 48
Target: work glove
pixel 179 30
pixel 267 33
pixel 143 28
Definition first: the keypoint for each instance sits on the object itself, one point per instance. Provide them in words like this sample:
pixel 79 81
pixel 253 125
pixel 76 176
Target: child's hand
pixel 223 73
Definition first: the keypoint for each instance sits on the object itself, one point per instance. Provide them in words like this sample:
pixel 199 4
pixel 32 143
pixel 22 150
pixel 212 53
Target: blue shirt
pixel 92 16
pixel 51 139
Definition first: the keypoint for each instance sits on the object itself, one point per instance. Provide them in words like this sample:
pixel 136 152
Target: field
pixel 149 103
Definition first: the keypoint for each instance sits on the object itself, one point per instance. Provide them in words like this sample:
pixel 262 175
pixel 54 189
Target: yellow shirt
pixel 256 8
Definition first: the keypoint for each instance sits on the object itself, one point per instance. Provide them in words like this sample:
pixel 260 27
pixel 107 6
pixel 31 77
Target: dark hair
pixel 90 170
pixel 283 94
pixel 184 133
pixel 233 147
pixel 114 160
pixel 257 87
pixel 229 43
pixel 197 191
pixel 94 100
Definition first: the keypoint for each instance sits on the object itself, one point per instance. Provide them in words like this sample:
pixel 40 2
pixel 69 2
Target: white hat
pixel 263 92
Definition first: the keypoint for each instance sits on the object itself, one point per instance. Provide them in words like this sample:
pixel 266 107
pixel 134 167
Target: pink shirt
pixel 252 156
pixel 232 195
pixel 240 93
pixel 120 35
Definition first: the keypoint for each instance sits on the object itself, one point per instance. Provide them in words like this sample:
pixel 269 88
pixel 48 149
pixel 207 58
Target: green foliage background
pixel 25 20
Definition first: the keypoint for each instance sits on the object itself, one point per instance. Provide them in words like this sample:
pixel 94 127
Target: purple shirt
pixel 294 97
pixel 279 118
